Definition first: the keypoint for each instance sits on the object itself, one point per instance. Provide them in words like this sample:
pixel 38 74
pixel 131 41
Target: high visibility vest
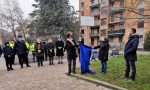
pixel 32 47
pixel 27 45
pixel 12 44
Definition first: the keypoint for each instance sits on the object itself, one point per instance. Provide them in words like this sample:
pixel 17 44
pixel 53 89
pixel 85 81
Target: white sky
pixel 26 5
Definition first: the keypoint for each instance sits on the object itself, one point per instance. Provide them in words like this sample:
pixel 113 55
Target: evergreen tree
pixel 55 17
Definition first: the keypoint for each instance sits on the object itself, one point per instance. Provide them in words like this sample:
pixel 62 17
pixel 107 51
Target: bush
pixel 147 42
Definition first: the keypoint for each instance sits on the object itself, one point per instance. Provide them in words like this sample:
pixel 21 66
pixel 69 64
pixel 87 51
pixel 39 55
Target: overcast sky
pixel 26 5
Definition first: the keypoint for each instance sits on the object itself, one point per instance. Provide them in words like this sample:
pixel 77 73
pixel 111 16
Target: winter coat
pixel 50 49
pixel 39 46
pixel 21 48
pixel 0 51
pixel 8 51
pixel 131 48
pixel 103 51
pixel 59 48
pixel 44 46
pixel 71 47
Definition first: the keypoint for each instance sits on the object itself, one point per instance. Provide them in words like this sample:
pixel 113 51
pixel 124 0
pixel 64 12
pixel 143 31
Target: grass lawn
pixel 115 72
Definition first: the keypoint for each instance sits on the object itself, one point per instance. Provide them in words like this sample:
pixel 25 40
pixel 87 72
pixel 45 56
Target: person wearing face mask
pixel 103 53
pixel 130 54
pixel 39 50
pixel 71 48
pixel 22 51
pixel 59 50
pixel 50 50
pixel 8 55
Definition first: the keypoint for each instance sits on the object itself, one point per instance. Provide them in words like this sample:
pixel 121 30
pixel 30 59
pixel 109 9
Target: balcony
pixel 96 25
pixel 116 33
pixel 94 34
pixel 95 5
pixel 95 13
pixel 116 20
pixel 116 10
pixel 103 27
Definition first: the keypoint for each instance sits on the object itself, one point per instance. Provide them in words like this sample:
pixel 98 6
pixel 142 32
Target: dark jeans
pixel 9 62
pixel 33 56
pixel 70 61
pixel 40 61
pixel 133 67
pixel 51 59
pixel 22 59
pixel 45 55
pixel 104 66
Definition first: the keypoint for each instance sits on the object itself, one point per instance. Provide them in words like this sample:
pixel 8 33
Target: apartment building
pixel 114 19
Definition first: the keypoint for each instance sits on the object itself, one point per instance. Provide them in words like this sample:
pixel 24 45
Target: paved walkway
pixel 41 78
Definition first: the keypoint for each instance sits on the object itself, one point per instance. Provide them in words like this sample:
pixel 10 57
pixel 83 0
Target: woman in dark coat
pixel 50 51
pixel 39 49
pixel 8 55
pixel 103 53
pixel 71 47
pixel 60 50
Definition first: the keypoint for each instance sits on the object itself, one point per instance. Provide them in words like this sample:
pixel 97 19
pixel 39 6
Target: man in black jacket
pixel 8 55
pixel 22 51
pixel 130 53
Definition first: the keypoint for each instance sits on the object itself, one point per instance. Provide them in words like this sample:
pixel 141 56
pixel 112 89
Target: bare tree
pixel 11 16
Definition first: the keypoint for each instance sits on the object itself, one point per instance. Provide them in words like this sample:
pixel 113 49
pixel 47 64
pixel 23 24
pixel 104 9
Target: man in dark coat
pixel 59 50
pixel 22 51
pixel 103 53
pixel 8 55
pixel 71 47
pixel 51 52
pixel 130 53
pixel 39 50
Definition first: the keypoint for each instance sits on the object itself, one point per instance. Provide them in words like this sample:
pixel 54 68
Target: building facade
pixel 114 19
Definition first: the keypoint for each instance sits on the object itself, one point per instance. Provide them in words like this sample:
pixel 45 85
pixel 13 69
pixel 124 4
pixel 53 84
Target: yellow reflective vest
pixel 32 48
pixel 27 45
pixel 12 44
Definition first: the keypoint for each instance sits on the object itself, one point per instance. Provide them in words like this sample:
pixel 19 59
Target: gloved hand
pixel 9 55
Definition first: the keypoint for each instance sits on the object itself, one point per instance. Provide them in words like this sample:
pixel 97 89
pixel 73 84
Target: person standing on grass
pixel 39 50
pixel 130 54
pixel 51 52
pixel 8 55
pixel 103 53
pixel 71 47
pixel 59 50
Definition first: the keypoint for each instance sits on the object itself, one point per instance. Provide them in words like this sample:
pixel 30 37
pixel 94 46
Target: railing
pixel 116 9
pixel 94 5
pixel 95 13
pixel 94 34
pixel 120 31
pixel 103 27
pixel 116 20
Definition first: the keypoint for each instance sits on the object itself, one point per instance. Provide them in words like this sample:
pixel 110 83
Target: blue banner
pixel 85 54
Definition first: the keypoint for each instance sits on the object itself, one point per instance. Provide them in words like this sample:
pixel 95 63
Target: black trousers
pixel 9 62
pixel 40 61
pixel 70 62
pixel 130 64
pixel 13 58
pixel 51 59
pixel 45 55
pixel 22 59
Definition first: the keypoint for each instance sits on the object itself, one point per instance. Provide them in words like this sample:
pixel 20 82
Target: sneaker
pixel 59 62
pixel 11 69
pixel 28 66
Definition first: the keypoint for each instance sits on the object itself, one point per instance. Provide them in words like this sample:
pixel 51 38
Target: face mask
pixel 7 44
pixel 59 39
pixel 38 41
pixel 20 39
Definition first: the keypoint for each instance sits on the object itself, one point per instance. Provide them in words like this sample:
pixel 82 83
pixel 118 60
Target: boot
pixel 74 68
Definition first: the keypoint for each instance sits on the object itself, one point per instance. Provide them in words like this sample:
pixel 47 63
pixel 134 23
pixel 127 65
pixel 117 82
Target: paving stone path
pixel 41 78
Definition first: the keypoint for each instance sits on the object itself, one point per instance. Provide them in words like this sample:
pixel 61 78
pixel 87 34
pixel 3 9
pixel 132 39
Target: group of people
pixel 38 50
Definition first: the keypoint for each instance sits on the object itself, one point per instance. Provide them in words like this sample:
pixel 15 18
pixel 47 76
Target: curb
pixel 97 82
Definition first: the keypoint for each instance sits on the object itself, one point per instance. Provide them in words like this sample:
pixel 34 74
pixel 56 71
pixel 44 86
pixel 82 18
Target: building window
pixel 140 24
pixel 82 31
pixel 82 13
pixel 112 28
pixel 92 2
pixel 82 4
